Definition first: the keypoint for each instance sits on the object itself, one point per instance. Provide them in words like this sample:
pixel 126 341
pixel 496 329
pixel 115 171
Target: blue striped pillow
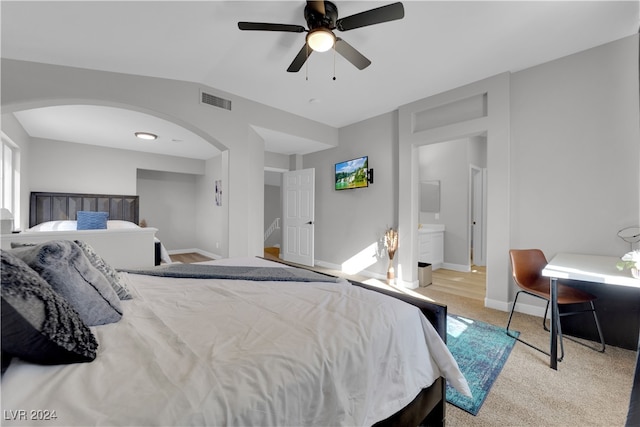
pixel 92 220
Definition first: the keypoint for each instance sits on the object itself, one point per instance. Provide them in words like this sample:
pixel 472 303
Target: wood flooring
pixel 188 258
pixel 471 284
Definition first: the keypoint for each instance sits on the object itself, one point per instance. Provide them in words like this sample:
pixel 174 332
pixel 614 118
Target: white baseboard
pixel 533 310
pixel 408 285
pixel 338 267
pixel 497 305
pixel 456 267
pixel 329 265
pixel 371 274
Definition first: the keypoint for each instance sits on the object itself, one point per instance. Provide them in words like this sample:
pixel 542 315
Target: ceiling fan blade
pixel 318 6
pixel 263 26
pixel 387 13
pixel 300 59
pixel 351 54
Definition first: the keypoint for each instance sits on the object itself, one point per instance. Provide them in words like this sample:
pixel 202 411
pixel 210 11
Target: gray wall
pixel 273 210
pixel 31 85
pixel 166 185
pixel 81 168
pixel 562 154
pixel 562 158
pixel 12 129
pixel 167 202
pixel 575 151
pixel 216 239
pixel 350 224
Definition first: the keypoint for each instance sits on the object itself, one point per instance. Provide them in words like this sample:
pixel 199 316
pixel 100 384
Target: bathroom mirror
pixel 430 196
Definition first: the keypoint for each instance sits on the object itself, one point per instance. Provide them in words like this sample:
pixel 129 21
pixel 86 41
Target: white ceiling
pixel 436 47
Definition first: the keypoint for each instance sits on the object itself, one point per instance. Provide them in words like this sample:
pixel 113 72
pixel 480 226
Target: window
pixel 10 175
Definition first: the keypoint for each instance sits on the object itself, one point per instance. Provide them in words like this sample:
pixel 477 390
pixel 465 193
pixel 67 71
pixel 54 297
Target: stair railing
pixel 275 225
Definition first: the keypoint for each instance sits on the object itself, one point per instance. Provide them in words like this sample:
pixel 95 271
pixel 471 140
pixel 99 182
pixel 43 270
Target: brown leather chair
pixel 527 266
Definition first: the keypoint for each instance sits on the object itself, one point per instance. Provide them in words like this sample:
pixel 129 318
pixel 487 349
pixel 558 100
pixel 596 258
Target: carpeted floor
pixel 589 388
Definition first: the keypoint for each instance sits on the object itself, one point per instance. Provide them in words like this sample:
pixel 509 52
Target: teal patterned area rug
pixel 481 351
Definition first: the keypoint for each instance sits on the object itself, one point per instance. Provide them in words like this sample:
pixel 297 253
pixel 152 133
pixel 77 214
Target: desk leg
pixel 553 362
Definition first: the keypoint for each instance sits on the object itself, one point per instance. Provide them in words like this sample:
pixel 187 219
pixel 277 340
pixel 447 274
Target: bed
pixel 219 348
pixel 53 216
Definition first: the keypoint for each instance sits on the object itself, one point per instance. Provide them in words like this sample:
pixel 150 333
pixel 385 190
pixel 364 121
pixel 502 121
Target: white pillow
pixel 55 226
pixel 119 224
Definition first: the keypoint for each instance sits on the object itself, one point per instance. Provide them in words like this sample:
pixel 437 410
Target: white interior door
pixel 478 220
pixel 298 216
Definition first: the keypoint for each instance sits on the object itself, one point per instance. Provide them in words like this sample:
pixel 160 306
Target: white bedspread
pixel 205 352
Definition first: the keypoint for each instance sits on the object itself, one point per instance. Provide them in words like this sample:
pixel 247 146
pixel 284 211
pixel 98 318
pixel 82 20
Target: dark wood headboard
pixel 63 206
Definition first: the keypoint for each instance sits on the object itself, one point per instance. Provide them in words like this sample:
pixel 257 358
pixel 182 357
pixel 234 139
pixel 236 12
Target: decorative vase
pixel 391 273
pixel 635 272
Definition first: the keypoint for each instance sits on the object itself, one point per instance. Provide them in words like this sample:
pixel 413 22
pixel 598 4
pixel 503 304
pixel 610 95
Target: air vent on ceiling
pixel 216 101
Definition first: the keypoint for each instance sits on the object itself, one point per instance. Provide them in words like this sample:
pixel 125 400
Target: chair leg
pixel 595 317
pixel 559 328
pixel 544 318
pixel 515 300
pixel 513 307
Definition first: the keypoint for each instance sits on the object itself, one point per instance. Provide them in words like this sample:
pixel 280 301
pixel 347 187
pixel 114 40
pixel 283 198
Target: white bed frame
pixel 120 248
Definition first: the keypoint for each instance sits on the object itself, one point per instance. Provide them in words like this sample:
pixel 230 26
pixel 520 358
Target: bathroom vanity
pixel 431 245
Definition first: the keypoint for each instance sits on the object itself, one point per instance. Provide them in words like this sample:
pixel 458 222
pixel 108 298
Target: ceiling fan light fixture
pixel 146 135
pixel 321 39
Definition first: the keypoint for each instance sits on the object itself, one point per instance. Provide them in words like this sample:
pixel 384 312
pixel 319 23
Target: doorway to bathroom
pixel 460 168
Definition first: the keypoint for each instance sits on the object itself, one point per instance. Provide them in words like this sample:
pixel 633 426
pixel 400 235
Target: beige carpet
pixel 589 388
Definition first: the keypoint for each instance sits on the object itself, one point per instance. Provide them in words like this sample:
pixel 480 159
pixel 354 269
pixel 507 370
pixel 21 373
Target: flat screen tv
pixel 352 173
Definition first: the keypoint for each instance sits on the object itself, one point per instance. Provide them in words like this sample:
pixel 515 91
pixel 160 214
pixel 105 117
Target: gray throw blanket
pixel 203 271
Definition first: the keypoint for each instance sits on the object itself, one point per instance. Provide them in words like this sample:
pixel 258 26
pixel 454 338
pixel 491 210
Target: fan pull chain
pixel 306 64
pixel 334 61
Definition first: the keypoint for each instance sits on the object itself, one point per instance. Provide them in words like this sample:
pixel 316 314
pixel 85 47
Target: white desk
pixel 586 268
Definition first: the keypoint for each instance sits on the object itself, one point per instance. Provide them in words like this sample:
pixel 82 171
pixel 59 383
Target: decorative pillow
pixel 38 325
pixel 65 267
pixel 109 272
pixel 92 220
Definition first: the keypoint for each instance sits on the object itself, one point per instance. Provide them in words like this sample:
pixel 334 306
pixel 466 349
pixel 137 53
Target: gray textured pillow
pixel 65 267
pixel 109 272
pixel 38 325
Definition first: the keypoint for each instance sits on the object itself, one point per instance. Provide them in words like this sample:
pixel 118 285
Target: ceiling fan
pixel 322 19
